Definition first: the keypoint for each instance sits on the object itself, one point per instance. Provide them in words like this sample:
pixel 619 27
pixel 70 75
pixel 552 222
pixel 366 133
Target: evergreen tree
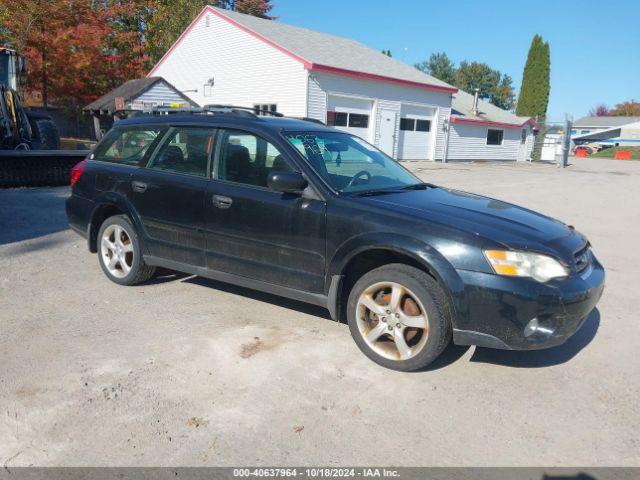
pixel 440 66
pixel 534 92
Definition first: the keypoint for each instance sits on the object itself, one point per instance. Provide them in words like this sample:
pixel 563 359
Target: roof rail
pixel 312 120
pixel 244 111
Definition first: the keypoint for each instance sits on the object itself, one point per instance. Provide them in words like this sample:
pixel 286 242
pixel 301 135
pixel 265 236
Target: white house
pixel 612 131
pixel 225 57
pixel 593 124
pixel 481 131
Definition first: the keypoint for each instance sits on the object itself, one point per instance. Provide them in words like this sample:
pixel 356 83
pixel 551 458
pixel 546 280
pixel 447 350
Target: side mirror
pixel 287 182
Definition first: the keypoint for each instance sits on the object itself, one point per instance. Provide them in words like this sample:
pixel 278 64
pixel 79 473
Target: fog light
pixel 531 327
pixel 545 327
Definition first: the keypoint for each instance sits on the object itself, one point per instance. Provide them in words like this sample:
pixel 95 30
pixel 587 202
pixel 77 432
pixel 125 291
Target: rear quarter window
pixel 128 146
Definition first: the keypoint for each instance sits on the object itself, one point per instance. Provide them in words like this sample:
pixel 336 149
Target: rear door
pixel 168 194
pixel 256 232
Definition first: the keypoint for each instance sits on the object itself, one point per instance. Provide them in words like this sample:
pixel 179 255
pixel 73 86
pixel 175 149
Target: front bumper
pixel 499 308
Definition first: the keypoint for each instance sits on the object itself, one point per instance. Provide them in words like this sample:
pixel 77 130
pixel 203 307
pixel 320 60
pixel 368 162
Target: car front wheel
pixel 119 252
pixel 399 317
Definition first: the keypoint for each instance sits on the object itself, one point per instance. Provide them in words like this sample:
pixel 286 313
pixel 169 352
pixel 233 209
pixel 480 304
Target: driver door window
pixel 248 159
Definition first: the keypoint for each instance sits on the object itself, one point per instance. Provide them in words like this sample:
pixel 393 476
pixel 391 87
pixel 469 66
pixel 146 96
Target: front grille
pixel 582 258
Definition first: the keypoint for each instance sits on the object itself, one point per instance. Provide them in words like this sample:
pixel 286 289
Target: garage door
pixel 352 115
pixel 417 132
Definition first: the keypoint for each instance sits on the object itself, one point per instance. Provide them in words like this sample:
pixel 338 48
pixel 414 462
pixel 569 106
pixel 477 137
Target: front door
pixel 256 232
pixel 168 195
pixel 387 131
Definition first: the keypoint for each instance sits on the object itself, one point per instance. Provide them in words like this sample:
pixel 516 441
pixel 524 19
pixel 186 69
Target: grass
pixel 610 152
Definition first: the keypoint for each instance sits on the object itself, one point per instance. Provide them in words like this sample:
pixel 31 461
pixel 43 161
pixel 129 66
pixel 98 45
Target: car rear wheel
pixel 119 252
pixel 399 317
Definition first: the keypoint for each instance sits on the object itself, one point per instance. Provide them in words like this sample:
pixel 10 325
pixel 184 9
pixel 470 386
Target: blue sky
pixel 595 45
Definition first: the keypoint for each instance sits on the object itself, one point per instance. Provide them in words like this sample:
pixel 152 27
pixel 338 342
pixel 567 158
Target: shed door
pixel 351 115
pixel 417 132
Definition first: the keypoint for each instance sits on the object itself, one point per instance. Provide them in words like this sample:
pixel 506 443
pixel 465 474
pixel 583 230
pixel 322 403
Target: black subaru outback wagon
pixel 297 209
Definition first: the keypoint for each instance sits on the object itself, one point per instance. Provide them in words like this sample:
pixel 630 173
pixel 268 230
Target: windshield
pixel 348 163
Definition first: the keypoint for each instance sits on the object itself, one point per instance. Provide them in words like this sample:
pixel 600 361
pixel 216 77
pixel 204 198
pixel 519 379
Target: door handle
pixel 139 187
pixel 221 201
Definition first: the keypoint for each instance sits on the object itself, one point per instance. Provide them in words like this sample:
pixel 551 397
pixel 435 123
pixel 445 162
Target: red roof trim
pixel 530 121
pixel 307 65
pixel 380 78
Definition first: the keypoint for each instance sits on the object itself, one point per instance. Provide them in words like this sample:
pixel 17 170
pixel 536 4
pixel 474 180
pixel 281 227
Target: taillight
pixel 77 171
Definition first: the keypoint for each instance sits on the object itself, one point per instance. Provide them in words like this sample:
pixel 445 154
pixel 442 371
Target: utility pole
pixel 566 141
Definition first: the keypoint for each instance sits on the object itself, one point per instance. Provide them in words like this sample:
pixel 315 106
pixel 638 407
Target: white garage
pixel 225 57
pixel 415 141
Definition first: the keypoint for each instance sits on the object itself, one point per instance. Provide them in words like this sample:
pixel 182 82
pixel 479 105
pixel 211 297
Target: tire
pixel 46 134
pixel 128 267
pixel 395 337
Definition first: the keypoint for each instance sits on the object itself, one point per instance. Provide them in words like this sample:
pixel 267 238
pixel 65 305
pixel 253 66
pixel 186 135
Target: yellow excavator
pixel 29 141
pixel 21 129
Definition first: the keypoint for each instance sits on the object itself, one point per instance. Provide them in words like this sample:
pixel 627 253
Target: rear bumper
pixel 501 309
pixel 79 211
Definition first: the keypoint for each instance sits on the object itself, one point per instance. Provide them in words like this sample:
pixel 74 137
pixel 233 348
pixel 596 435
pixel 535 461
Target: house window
pixel 494 137
pixel 523 136
pixel 337 119
pixel 408 124
pixel 584 131
pixel 423 125
pixel 358 120
pixel 573 132
pixel 263 108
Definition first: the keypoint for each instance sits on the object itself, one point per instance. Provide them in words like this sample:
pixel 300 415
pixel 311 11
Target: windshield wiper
pixel 371 193
pixel 386 191
pixel 419 186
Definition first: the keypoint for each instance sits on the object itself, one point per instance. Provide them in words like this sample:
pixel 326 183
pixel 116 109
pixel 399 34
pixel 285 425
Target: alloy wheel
pixel 116 249
pixel 392 320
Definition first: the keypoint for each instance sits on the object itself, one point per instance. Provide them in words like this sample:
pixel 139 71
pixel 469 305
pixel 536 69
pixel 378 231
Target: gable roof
pixel 324 52
pixel 604 121
pixel 488 114
pixel 130 90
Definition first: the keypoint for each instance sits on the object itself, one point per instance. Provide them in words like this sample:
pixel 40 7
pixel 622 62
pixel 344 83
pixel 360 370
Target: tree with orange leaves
pixel 75 49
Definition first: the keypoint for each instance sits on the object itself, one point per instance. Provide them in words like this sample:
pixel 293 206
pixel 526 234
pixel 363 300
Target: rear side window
pixel 186 151
pixel 126 145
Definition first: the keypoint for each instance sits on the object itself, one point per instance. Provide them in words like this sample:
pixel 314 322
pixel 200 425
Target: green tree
pixel 472 75
pixel 387 53
pixel 534 92
pixel 439 66
pixel 504 96
pixel 493 86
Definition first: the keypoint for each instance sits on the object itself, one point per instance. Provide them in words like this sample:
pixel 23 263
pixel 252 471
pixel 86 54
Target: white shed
pixel 225 57
pixel 481 131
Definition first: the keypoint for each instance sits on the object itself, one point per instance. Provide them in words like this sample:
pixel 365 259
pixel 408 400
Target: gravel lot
pixel 187 371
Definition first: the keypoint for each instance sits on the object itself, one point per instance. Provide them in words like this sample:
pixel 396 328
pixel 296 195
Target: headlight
pixel 525 264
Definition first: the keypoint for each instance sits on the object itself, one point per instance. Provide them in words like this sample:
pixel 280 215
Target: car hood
pixel 492 219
